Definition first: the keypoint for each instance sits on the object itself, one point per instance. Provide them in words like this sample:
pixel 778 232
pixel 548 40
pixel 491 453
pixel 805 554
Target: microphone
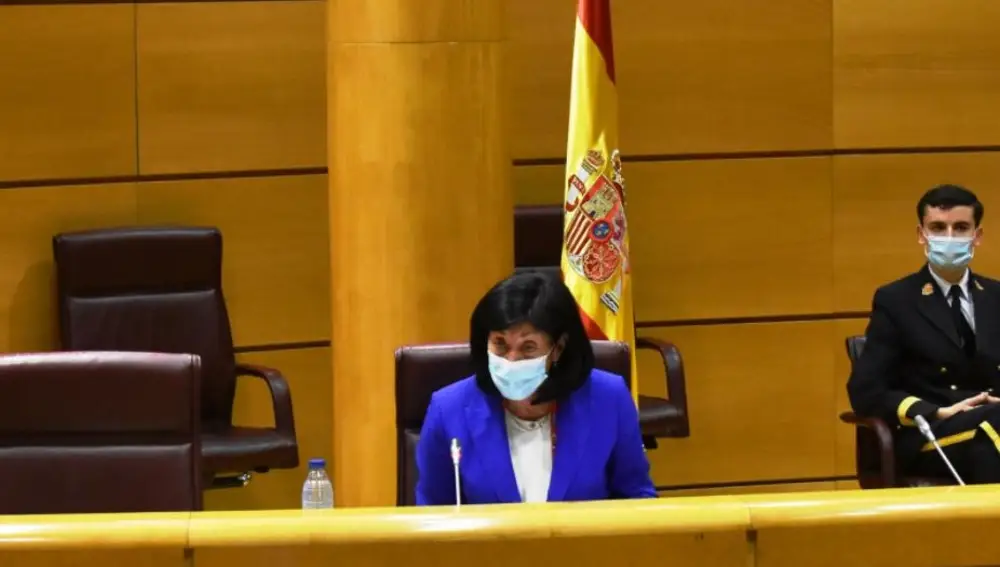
pixel 925 429
pixel 456 457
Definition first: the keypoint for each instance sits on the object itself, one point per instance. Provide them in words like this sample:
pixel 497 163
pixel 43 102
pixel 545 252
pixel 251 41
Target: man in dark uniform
pixel 933 348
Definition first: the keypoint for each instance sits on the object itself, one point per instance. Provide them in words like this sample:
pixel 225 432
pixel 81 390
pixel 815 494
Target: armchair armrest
pixel 676 389
pixel 281 395
pixel 887 456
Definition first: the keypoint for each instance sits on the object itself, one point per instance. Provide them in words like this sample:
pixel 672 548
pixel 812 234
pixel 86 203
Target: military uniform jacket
pixel 913 363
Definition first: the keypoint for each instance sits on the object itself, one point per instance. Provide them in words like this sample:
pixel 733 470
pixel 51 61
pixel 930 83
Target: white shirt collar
pixel 946 286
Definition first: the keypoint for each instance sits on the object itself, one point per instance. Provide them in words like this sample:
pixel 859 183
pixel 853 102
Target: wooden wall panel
pixel 710 237
pixel 762 403
pixel 875 216
pixel 710 76
pixel 231 86
pixel 67 92
pixel 538 184
pixel 538 64
pixel 308 375
pixel 723 75
pixel 29 218
pixel 916 73
pixel 276 261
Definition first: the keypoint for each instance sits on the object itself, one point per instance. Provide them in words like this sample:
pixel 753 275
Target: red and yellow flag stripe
pixel 595 256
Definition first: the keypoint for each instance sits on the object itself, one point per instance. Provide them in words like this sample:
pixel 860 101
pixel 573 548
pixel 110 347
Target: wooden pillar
pixel 421 209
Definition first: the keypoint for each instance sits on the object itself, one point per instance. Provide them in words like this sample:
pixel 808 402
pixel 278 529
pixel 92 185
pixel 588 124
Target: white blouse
pixel 531 455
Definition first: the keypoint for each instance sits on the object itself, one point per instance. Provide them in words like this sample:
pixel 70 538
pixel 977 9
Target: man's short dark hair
pixel 947 196
pixel 547 304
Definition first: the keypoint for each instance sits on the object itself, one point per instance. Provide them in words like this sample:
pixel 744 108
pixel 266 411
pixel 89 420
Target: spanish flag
pixel 595 256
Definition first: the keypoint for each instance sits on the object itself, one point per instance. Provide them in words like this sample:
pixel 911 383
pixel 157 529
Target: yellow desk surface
pixel 933 527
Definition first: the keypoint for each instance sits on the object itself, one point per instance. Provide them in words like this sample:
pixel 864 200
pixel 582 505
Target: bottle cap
pixel 317 463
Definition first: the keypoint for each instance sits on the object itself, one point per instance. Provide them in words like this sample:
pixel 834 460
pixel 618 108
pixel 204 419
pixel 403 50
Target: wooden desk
pixel 916 527
pixel 598 534
pixel 133 540
pixel 937 527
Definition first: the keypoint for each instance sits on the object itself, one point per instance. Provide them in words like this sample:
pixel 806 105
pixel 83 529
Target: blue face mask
pixel 949 251
pixel 517 380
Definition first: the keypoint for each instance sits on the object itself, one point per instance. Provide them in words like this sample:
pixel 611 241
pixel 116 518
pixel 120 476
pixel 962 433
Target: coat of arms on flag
pixel 595 233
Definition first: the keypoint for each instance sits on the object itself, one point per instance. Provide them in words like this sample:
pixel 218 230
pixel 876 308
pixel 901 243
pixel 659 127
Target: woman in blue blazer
pixel 536 422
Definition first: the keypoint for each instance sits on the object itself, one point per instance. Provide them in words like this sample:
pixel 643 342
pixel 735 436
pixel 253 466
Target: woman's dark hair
pixel 547 304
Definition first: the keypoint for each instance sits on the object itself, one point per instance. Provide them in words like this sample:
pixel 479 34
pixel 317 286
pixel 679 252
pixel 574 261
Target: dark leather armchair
pixel 874 452
pixel 99 432
pixel 538 240
pixel 160 290
pixel 422 370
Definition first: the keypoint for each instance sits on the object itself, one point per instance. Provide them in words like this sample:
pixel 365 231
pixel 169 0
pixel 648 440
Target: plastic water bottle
pixel 317 491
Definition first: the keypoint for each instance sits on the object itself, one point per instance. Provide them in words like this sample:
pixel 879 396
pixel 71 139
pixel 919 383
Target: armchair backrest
pixel 538 238
pixel 867 445
pixel 154 289
pixel 99 432
pixel 422 370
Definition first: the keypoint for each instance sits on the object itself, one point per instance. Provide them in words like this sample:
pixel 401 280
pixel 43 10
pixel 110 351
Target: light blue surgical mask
pixel 949 252
pixel 517 379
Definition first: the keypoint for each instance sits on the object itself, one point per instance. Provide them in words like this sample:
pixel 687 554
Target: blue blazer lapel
pixel 572 432
pixel 490 446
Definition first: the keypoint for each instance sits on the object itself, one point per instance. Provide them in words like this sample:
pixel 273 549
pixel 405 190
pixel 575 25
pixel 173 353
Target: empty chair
pixel 159 289
pixel 99 432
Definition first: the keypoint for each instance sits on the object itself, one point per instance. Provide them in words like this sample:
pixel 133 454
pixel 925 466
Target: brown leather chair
pixel 422 370
pixel 538 240
pixel 874 453
pixel 99 432
pixel 159 289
